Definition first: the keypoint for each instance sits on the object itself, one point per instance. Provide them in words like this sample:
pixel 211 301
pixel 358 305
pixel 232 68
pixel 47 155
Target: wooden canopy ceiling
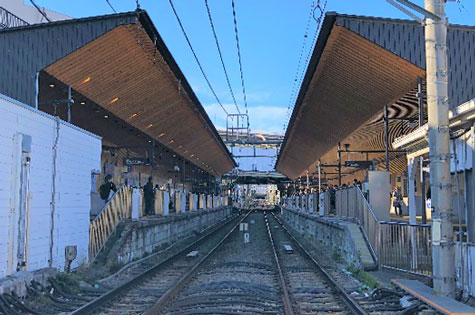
pixel 352 81
pixel 125 73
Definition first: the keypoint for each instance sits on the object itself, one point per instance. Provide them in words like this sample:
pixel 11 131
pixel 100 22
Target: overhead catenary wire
pixel 320 6
pixel 221 55
pixel 304 44
pixel 196 57
pixel 39 10
pixel 239 58
pixel 111 6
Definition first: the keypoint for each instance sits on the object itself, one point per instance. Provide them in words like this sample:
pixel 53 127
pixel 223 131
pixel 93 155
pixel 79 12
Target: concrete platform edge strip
pixel 463 308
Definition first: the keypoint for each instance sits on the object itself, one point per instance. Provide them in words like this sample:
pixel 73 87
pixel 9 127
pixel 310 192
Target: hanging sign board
pixel 136 161
pixel 359 164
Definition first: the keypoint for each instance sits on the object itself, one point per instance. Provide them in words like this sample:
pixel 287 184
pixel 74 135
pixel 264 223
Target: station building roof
pixel 120 63
pixel 360 64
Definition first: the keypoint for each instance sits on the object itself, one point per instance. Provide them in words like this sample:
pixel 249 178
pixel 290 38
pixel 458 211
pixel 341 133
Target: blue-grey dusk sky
pixel 271 34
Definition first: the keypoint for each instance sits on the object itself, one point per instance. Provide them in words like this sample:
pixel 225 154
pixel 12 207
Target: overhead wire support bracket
pixel 414 7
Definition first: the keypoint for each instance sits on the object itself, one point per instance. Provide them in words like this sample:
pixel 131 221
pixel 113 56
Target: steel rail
pixel 354 307
pixel 172 292
pixel 108 296
pixel 285 292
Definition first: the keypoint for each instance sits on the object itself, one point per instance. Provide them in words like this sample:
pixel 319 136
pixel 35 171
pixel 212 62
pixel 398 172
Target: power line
pixel 239 57
pixel 298 81
pixel 39 10
pixel 111 6
pixel 221 55
pixel 304 44
pixel 196 57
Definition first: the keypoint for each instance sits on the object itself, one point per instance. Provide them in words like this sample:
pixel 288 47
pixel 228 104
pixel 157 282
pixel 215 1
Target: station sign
pixel 359 164
pixel 136 161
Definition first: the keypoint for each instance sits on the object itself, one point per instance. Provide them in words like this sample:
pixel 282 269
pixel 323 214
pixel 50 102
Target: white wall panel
pixel 77 155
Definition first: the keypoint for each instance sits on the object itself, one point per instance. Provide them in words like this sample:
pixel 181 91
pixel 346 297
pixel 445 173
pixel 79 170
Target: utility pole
pixel 443 252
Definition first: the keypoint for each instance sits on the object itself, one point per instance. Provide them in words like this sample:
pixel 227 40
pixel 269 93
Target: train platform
pixel 425 294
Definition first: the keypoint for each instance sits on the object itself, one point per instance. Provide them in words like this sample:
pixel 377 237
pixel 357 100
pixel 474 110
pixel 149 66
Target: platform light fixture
pixel 83 103
pixel 86 80
pixel 113 100
pixel 133 115
pixel 106 116
pixel 149 126
pixel 161 135
pixel 51 85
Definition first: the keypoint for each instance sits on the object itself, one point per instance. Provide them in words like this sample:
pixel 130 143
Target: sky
pixel 271 36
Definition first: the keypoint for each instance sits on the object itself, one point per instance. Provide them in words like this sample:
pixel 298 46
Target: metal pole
pixel 69 103
pixel 386 132
pixel 339 164
pixel 37 89
pixel 153 156
pixel 308 183
pixel 319 178
pixel 443 252
pixel 184 174
pixel 423 191
pixel 420 99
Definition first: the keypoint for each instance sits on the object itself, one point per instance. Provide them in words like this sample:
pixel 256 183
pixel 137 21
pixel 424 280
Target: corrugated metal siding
pixel 406 39
pixel 78 154
pixel 27 50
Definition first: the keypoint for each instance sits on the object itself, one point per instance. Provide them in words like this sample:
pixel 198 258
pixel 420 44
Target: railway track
pixel 55 299
pixel 259 277
pixel 311 289
pixel 140 293
pixel 271 274
pixel 239 278
pixel 316 287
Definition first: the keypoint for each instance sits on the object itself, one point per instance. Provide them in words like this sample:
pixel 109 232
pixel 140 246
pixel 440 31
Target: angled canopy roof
pixel 360 64
pixel 121 63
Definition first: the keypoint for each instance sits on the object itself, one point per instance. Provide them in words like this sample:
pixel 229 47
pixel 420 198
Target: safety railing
pixel 117 208
pixel 8 19
pixel 406 247
pixel 398 245
pixel 351 203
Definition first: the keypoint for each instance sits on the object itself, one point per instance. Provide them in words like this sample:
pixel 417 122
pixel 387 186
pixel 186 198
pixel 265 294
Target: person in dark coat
pixel 149 196
pixel 332 199
pixel 105 189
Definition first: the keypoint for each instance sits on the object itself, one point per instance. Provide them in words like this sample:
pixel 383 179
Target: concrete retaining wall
pixel 141 237
pixel 335 235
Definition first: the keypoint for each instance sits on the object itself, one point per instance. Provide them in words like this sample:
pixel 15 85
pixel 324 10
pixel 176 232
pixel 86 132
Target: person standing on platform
pixel 397 200
pixel 149 196
pixel 332 199
pixel 106 188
